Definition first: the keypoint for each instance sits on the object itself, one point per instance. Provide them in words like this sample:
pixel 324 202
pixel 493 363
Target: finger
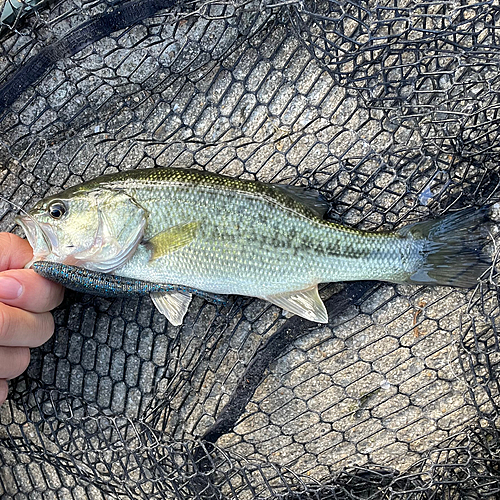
pixel 4 390
pixel 13 361
pixel 25 289
pixel 15 252
pixel 20 328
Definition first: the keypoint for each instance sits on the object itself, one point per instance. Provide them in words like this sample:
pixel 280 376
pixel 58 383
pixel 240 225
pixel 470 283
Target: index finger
pixel 27 290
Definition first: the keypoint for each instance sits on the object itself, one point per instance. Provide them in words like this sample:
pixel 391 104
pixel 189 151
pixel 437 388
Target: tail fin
pixel 454 248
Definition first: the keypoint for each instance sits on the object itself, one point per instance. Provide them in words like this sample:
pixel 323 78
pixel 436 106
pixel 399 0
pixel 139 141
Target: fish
pixel 225 235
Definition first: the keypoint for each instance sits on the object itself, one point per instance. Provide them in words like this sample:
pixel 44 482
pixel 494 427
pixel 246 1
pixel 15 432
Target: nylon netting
pixel 391 109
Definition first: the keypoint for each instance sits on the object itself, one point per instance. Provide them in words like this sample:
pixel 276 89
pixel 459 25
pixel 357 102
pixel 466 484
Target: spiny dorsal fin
pixel 172 239
pixel 305 303
pixel 310 198
pixel 173 305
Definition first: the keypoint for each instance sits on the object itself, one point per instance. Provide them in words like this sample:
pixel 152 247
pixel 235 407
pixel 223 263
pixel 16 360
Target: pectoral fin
pixel 305 303
pixel 172 239
pixel 173 305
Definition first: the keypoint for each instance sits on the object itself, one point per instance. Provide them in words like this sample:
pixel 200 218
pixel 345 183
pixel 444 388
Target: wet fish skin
pixel 232 236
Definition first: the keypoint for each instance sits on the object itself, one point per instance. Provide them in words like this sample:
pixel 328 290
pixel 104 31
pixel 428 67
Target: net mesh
pixel 391 110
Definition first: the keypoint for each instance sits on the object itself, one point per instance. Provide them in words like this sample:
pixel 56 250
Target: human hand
pixel 25 301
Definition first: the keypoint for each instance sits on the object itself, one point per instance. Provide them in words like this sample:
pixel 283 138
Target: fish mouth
pixel 42 239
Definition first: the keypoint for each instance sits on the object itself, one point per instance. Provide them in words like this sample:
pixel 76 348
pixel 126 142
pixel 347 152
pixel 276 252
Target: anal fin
pixel 305 303
pixel 173 305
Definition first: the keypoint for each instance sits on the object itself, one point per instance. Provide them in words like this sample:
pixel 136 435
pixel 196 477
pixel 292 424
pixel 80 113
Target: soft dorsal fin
pixel 172 239
pixel 310 198
pixel 305 303
pixel 173 305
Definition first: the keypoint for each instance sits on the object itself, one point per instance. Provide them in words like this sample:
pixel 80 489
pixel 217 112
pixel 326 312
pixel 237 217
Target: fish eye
pixel 57 210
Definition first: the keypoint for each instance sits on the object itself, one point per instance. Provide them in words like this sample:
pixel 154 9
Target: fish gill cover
pixel 391 109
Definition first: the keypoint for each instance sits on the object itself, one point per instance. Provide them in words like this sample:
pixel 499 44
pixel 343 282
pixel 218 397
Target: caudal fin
pixel 454 248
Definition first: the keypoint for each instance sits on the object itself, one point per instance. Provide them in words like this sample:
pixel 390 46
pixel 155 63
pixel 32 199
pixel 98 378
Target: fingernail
pixel 10 288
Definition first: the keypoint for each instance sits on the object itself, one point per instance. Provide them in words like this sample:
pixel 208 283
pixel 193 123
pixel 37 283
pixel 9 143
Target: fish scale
pixel 231 236
pixel 272 249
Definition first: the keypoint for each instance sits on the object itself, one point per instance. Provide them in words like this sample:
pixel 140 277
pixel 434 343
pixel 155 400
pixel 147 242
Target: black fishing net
pixel 391 109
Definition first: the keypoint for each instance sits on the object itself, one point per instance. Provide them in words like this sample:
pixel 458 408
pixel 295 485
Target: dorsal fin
pixel 310 198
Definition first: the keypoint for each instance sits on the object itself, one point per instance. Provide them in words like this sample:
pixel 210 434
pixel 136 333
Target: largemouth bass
pixel 230 236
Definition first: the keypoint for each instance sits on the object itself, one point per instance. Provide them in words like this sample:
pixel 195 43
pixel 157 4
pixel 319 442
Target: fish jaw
pixel 99 230
pixel 40 237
